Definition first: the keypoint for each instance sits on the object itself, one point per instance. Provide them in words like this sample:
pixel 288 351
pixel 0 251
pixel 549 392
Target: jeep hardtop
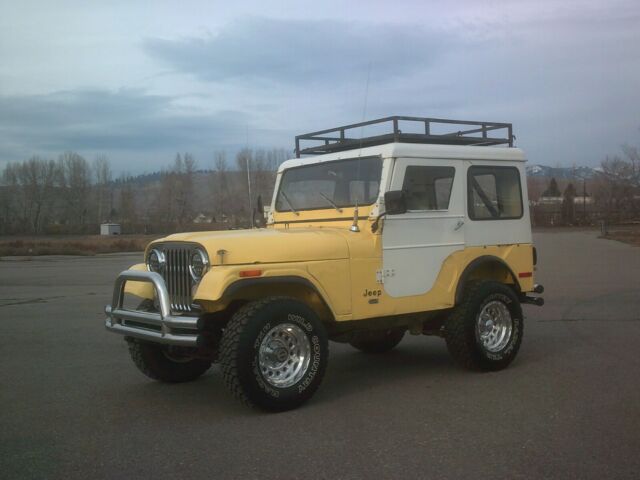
pixel 422 227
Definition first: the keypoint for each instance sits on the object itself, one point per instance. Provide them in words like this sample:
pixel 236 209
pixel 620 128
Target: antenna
pixel 249 178
pixel 364 111
pixel 354 226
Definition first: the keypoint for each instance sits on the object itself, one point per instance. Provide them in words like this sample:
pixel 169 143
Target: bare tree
pixel 260 173
pixel 618 169
pixel 633 157
pixel 71 192
pixel 29 192
pixel 74 181
pixel 220 187
pixel 164 198
pixel 128 209
pixel 568 205
pixel 184 173
pixel 9 199
pixel 619 185
pixel 552 190
pixel 175 195
pixel 104 190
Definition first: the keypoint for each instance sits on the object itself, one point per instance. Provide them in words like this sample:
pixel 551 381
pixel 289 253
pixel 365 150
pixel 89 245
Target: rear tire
pixel 484 332
pixel 158 362
pixel 378 342
pixel 273 353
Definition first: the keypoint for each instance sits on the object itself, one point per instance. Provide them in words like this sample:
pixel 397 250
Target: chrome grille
pixel 177 277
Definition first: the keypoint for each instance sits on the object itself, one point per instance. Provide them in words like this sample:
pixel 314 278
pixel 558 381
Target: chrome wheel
pixel 494 326
pixel 284 355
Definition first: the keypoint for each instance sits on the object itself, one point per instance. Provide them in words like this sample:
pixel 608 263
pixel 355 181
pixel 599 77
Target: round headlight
pixel 198 264
pixel 156 261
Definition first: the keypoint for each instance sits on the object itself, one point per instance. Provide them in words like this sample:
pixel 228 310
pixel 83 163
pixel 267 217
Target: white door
pixel 416 243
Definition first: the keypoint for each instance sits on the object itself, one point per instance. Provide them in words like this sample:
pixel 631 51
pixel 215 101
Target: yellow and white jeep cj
pixel 415 228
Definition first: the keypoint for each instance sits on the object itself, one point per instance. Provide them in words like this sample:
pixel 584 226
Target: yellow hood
pixel 268 245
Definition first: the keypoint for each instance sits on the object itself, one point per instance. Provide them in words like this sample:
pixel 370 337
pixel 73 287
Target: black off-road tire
pixel 240 349
pixel 158 363
pixel 378 342
pixel 460 327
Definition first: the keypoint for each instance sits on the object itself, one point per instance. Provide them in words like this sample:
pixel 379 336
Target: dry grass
pixel 625 233
pixel 73 245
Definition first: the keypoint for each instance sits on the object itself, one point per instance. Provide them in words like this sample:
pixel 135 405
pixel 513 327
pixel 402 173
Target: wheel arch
pixel 488 267
pixel 300 288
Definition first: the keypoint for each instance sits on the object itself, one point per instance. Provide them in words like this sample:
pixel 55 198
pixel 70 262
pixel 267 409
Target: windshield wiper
pixel 286 199
pixel 330 201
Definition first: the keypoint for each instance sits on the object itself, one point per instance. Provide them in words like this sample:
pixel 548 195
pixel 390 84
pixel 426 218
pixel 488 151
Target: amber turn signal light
pixel 250 273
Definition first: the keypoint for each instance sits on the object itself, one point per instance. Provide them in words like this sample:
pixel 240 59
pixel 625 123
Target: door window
pixel 494 193
pixel 428 188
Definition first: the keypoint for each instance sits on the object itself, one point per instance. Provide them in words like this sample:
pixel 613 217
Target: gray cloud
pixel 293 51
pixel 566 77
pixel 126 121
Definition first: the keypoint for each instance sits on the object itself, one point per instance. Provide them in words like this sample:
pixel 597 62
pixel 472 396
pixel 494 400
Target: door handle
pixel 459 225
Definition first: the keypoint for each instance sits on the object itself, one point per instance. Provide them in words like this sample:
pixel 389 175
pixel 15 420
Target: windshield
pixel 342 183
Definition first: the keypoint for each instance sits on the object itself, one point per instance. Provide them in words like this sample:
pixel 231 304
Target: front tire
pixel 485 331
pixel 273 353
pixel 160 363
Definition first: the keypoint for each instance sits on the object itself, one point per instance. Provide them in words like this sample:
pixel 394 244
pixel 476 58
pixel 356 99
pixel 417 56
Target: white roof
pixel 419 150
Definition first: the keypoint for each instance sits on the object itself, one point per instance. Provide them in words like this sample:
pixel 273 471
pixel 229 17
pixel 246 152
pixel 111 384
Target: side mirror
pixel 394 202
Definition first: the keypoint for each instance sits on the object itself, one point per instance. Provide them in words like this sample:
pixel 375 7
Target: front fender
pixel 222 282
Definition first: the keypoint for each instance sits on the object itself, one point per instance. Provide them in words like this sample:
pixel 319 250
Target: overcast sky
pixel 140 81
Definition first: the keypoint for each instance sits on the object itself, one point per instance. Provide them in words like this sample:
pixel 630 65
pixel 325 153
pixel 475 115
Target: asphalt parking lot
pixel 73 405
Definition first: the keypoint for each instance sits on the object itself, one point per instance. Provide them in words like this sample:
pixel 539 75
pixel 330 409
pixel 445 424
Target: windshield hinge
pixel 382 274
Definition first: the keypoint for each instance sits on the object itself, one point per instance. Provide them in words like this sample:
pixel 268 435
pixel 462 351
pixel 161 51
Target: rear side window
pixel 494 193
pixel 428 188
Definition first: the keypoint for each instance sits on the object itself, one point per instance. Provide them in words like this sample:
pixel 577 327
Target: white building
pixel 110 229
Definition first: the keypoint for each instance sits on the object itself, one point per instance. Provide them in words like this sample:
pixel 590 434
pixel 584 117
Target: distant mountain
pixel 560 172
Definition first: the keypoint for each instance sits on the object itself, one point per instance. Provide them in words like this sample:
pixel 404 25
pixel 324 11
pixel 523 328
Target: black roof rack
pixel 456 132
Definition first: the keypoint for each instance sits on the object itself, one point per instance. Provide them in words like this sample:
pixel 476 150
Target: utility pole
pixel 584 199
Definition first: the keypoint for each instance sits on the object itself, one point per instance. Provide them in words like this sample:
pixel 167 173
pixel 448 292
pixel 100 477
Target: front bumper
pixel 159 327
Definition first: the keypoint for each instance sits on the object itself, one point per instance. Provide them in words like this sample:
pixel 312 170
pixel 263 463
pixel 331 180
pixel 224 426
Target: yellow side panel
pixel 335 277
pixel 370 300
